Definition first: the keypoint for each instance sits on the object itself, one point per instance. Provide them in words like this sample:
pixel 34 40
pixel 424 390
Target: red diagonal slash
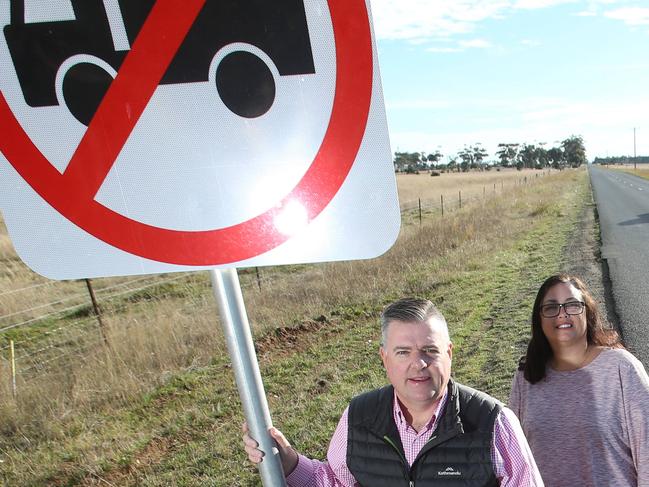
pixel 130 92
pixel 72 194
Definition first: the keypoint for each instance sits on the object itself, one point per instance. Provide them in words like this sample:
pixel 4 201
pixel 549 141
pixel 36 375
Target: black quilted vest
pixel 457 454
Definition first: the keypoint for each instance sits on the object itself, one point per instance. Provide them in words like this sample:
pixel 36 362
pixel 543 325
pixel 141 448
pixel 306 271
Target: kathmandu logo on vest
pixel 449 472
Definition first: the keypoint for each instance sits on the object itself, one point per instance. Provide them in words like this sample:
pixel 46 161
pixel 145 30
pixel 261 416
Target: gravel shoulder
pixel 582 257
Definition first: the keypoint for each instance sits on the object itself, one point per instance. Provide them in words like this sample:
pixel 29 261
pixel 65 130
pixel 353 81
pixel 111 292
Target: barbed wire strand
pixel 57 312
pixel 49 283
pixel 67 339
pixel 83 321
pixel 69 298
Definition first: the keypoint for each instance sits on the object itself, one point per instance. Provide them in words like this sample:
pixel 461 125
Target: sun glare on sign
pixel 291 218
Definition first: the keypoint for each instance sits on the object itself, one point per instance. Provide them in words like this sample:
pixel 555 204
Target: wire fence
pixel 54 332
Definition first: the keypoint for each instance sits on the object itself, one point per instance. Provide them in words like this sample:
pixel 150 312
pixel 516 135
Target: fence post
pixel 95 307
pixel 442 199
pixel 460 198
pixel 494 188
pixel 258 278
pixel 13 369
pixel 419 211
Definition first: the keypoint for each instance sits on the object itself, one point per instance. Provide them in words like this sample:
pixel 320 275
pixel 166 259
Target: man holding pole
pixel 423 428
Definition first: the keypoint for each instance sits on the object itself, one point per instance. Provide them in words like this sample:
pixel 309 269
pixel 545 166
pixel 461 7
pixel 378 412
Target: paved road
pixel 623 207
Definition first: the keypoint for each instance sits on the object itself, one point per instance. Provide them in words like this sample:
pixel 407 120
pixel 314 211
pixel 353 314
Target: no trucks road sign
pixel 173 135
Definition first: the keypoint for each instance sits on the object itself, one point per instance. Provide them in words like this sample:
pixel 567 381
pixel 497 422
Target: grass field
pixel 412 187
pixel 161 407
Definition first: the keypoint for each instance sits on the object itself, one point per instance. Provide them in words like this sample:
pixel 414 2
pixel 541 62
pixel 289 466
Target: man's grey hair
pixel 410 310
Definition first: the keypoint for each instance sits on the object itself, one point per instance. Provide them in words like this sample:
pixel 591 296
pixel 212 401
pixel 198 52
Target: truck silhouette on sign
pixel 244 82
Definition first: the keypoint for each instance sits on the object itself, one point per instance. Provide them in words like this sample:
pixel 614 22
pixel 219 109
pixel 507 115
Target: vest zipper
pixel 411 483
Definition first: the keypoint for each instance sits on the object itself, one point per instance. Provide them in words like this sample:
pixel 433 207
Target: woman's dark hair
pixel 539 351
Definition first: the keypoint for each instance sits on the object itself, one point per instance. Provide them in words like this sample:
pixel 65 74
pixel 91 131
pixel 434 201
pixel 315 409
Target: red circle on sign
pixel 72 193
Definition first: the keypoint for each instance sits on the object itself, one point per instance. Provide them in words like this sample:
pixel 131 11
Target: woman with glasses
pixel 582 399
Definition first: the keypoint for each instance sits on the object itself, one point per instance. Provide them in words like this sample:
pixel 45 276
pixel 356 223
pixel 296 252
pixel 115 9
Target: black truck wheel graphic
pixel 84 86
pixel 244 82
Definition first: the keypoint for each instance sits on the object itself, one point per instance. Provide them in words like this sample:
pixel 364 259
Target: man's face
pixel 417 358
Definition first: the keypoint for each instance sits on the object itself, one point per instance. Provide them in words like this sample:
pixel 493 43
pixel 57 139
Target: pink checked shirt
pixel 511 457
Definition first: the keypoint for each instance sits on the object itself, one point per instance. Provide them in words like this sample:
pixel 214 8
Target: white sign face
pixel 145 137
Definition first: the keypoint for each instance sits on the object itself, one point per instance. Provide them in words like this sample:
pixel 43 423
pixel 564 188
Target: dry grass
pixel 25 295
pixel 148 345
pixel 412 187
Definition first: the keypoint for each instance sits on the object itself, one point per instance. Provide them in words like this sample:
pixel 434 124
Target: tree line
pixel 621 160
pixel 570 153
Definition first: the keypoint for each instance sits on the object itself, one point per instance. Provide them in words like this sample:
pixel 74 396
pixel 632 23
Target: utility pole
pixel 634 160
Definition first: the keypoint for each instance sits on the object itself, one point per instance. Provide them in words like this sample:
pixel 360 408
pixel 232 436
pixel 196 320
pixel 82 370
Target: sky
pixel 460 72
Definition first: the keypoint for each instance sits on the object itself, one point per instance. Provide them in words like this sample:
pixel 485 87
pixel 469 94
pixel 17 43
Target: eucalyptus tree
pixel 555 157
pixel 528 156
pixel 434 157
pixel 574 151
pixel 507 154
pixel 479 154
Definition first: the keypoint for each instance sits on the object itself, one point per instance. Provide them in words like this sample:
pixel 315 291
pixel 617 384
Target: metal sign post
pixel 124 188
pixel 236 328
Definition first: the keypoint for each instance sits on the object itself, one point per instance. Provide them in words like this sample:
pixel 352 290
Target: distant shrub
pixel 435 173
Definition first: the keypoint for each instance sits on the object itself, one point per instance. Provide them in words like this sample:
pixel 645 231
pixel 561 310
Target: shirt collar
pixel 400 418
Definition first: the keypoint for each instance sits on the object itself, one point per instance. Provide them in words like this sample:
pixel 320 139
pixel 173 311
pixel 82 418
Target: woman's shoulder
pixel 621 358
pixel 519 380
pixel 617 355
pixel 633 377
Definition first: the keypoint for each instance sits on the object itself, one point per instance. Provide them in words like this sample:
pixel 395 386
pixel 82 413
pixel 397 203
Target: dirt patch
pixel 288 339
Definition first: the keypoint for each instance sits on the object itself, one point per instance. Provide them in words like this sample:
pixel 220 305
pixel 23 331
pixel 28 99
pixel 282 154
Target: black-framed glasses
pixel 551 310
